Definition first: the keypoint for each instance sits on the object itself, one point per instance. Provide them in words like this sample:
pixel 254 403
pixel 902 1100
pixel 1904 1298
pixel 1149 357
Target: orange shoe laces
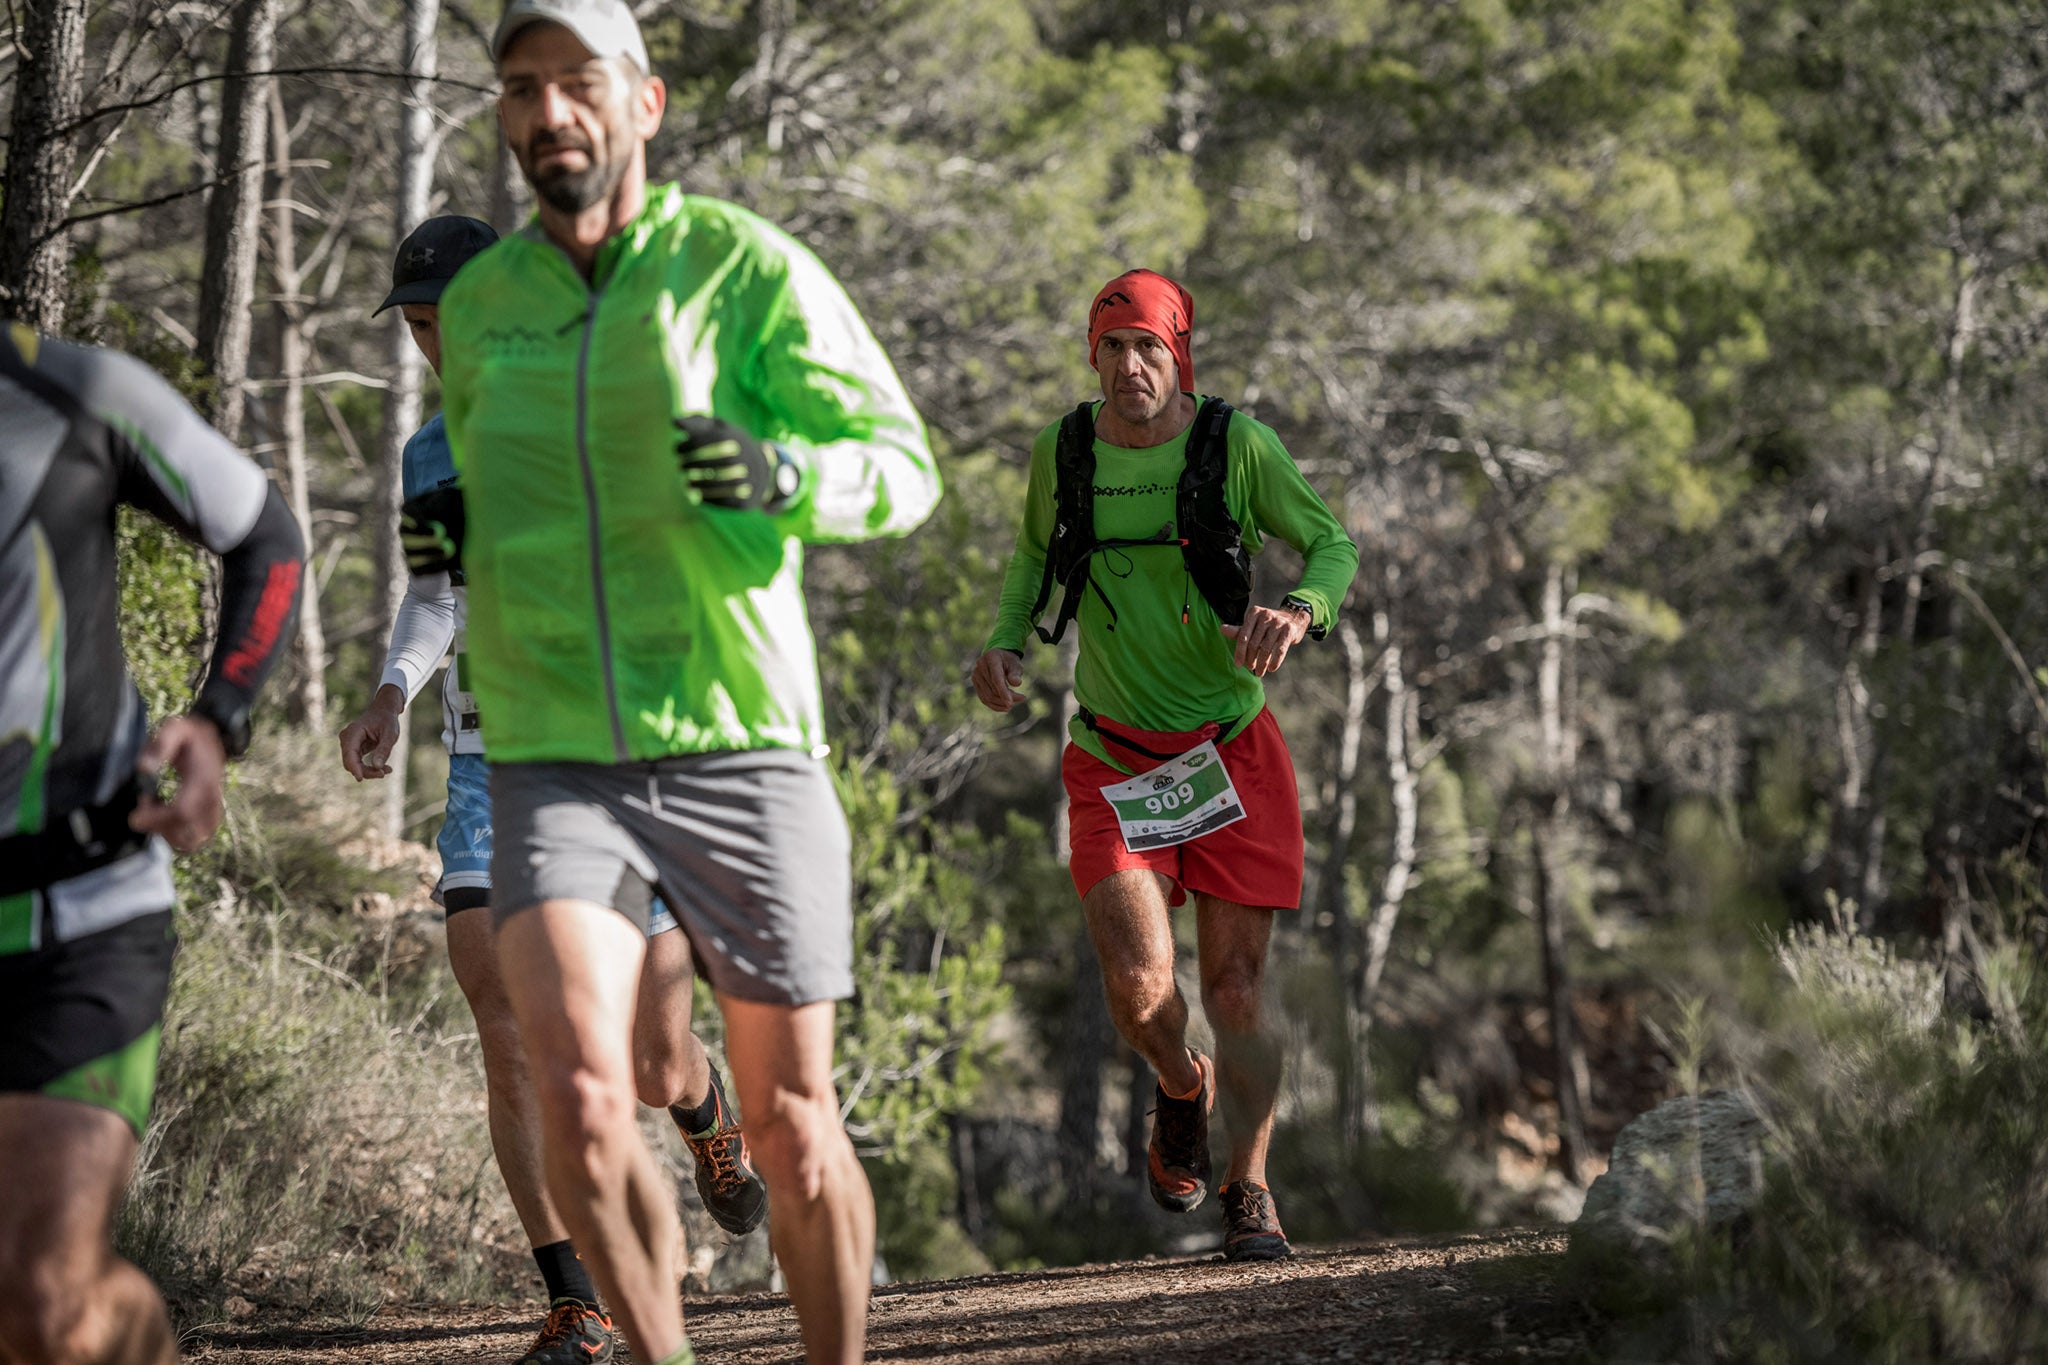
pixel 722 1152
pixel 563 1319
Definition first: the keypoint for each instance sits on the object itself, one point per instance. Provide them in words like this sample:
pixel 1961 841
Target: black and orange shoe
pixel 1177 1161
pixel 727 1182
pixel 1251 1225
pixel 574 1334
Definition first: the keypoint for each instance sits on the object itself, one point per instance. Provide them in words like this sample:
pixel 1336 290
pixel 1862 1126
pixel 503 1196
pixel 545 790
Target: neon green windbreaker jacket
pixel 612 617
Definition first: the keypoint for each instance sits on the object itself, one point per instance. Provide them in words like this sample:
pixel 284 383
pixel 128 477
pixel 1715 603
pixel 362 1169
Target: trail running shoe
pixel 1177 1168
pixel 1251 1225
pixel 727 1182
pixel 574 1334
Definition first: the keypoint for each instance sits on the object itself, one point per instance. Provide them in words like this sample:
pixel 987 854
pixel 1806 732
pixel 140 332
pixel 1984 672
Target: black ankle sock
pixel 696 1120
pixel 564 1273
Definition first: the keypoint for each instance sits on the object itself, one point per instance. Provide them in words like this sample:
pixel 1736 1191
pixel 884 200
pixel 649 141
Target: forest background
pixel 1676 365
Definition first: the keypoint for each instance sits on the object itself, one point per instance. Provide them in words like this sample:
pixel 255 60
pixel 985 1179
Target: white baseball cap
pixel 606 27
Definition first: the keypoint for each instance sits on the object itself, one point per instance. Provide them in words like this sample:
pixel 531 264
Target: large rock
pixel 1689 1164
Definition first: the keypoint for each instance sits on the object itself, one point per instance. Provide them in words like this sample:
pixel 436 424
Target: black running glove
pixel 430 526
pixel 730 468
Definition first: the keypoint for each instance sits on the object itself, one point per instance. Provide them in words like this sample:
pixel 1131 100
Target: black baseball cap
pixel 429 258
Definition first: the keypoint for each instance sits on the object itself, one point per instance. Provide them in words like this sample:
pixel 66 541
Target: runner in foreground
pixel 85 870
pixel 1145 509
pixel 654 400
pixel 669 1059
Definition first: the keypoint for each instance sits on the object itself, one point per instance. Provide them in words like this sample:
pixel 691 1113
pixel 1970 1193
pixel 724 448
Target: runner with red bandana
pixel 1145 508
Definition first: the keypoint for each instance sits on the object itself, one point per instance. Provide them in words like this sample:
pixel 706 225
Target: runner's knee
pixel 1231 999
pixel 658 1071
pixel 585 1108
pixel 1137 991
pixel 488 1003
pixel 796 1145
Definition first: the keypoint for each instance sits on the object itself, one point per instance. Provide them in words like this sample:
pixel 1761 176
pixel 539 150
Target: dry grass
pixel 319 1138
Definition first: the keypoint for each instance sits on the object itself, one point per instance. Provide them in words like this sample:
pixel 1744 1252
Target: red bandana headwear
pixel 1144 298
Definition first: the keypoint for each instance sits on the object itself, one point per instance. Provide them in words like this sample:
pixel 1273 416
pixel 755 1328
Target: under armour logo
pixel 420 256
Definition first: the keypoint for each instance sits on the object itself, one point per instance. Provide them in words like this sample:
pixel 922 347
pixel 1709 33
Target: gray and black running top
pixel 81 431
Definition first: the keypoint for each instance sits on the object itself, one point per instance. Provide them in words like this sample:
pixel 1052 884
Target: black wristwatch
pixel 1293 603
pixel 229 717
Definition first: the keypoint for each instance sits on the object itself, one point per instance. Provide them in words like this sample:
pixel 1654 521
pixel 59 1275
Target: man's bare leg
pixel 572 971
pixel 1231 942
pixel 514 1113
pixel 822 1214
pixel 69 1299
pixel 669 1065
pixel 1133 931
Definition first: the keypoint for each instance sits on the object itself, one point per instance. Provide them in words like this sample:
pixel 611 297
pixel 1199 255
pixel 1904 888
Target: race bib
pixel 1177 801
pixel 461 700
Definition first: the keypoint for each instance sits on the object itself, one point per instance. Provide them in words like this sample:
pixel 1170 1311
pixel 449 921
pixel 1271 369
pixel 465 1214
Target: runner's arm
pixel 421 633
pixel 840 411
pixel 1282 503
pixel 1027 562
pixel 171 464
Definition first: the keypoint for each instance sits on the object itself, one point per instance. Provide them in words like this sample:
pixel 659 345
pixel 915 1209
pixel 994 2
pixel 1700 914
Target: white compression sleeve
pixel 420 634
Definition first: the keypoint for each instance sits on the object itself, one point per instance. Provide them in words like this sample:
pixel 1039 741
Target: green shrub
pixel 1905 1211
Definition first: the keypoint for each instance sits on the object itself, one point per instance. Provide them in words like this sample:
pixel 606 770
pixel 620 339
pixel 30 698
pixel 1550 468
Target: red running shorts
pixel 1255 861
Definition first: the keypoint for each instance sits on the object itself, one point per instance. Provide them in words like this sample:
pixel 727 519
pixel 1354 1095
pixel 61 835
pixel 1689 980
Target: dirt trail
pixel 1484 1297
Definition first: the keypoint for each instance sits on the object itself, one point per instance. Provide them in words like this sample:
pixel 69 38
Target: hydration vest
pixel 1210 541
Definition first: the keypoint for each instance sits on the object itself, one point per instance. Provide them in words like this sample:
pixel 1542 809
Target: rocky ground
pixel 1480 1297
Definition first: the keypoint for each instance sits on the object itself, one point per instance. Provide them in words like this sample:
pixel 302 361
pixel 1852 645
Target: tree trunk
pixel 773 22
pixel 1943 867
pixel 404 364
pixel 967 1180
pixel 309 692
pixel 1086 1032
pixel 1379 937
pixel 234 215
pixel 1086 1037
pixel 1143 1086
pixel 509 205
pixel 1549 833
pixel 1354 1068
pixel 1860 825
pixel 1871 888
pixel 1332 887
pixel 1849 866
pixel 42 153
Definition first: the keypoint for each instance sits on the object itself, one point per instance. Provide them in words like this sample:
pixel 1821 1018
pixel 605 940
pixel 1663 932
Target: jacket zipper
pixel 604 623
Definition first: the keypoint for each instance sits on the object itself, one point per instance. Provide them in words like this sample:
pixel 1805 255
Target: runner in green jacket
pixel 653 400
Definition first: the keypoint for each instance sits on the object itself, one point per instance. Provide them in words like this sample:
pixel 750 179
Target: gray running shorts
pixel 748 848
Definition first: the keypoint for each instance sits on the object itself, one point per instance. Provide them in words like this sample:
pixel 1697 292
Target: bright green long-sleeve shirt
pixel 612 616
pixel 1152 671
